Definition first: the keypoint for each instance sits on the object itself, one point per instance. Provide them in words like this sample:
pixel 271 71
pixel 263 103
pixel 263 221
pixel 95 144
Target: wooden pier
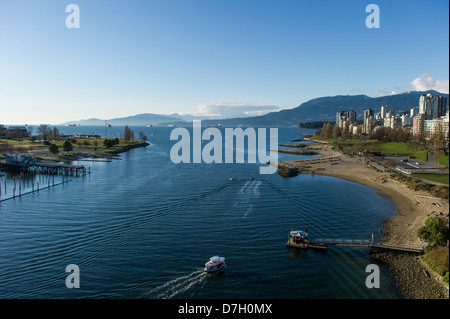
pixel 23 169
pixel 46 168
pixel 299 239
pixel 405 249
pixel 15 193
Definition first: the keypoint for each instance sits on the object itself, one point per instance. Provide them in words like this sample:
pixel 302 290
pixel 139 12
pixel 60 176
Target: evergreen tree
pixel 67 146
pixel 54 149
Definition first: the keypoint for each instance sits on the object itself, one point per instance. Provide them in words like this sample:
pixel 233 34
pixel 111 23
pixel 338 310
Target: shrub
pixel 67 146
pixel 434 230
pixel 54 149
pixel 108 143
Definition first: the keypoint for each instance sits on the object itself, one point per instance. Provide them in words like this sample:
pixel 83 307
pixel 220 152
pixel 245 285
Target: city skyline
pixel 210 58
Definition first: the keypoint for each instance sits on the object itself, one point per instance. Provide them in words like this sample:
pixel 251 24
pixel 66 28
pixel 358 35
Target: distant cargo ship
pixel 72 124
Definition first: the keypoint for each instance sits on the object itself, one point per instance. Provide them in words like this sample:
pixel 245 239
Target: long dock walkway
pixel 341 242
pixel 46 168
pixel 299 239
pixel 366 243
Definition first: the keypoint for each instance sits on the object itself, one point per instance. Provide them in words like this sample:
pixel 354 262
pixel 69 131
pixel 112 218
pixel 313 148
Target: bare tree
pixel 44 130
pixel 327 130
pixel 30 130
pixel 95 144
pixel 438 139
pixel 346 130
pixel 127 134
pixel 55 132
pixel 336 131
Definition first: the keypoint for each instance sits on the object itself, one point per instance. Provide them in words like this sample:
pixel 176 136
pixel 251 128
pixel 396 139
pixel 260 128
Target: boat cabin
pixel 215 263
pixel 299 239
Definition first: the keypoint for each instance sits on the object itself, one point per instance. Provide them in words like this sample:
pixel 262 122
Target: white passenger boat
pixel 214 264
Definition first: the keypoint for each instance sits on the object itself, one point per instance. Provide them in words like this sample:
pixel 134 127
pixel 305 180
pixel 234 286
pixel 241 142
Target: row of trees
pixel 334 131
pixel 46 131
pixel 128 135
pixel 438 141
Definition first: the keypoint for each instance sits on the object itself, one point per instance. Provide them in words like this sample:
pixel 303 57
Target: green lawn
pixel 393 148
pixel 421 155
pixel 388 148
pixel 26 144
pixel 442 159
pixel 433 177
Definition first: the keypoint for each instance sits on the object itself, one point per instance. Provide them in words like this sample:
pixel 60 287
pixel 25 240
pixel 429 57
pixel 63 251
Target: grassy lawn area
pixel 388 148
pixel 433 177
pixel 442 159
pixel 81 144
pixel 421 155
pixel 437 259
pixel 393 148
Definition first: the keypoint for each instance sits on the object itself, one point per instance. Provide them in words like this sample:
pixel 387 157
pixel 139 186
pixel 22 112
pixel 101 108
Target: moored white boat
pixel 214 264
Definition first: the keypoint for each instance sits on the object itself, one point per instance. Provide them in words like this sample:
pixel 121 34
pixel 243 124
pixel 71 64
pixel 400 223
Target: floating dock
pixel 299 239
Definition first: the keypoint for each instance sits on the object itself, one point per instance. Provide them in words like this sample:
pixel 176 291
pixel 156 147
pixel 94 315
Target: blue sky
pixel 200 56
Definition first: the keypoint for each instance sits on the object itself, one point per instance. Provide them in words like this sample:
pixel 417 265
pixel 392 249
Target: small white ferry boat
pixel 214 264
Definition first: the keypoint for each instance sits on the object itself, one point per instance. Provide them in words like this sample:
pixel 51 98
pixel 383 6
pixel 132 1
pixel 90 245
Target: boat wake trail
pixel 245 194
pixel 177 286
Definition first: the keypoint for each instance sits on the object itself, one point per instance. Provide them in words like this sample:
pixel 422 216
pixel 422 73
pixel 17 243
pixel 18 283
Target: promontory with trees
pixel 49 142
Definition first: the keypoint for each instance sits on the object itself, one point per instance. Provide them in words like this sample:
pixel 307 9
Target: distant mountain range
pixel 138 120
pixel 325 109
pixel 319 109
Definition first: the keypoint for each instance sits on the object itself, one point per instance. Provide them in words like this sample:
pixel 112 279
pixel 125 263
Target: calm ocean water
pixel 143 227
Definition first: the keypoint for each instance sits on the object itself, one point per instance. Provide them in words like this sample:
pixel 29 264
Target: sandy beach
pixel 413 207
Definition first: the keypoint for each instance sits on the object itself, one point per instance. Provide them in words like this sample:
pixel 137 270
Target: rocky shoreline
pixel 413 279
pixel 127 148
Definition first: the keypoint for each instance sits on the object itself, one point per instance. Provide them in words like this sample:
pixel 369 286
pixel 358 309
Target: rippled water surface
pixel 143 227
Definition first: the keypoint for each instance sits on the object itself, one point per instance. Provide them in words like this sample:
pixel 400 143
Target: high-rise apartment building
pixel 343 116
pixel 432 105
pixel 386 109
pixel 368 118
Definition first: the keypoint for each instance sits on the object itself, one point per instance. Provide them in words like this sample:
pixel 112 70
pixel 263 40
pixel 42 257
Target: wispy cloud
pixel 382 92
pixel 424 82
pixel 234 109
